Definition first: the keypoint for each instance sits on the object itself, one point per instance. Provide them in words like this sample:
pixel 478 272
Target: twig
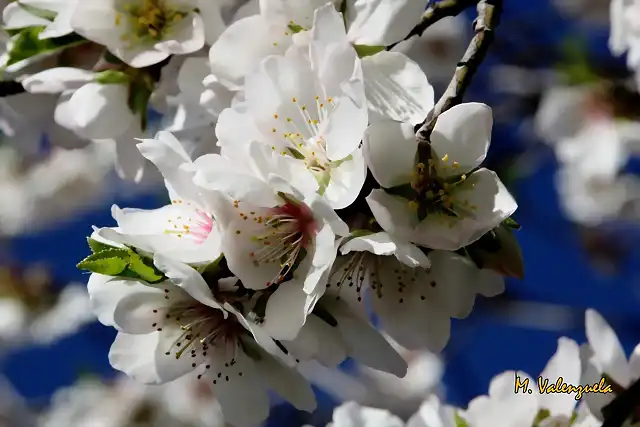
pixel 489 12
pixel 434 13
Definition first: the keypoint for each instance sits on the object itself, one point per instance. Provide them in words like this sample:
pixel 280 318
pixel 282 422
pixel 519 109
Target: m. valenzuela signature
pixel 545 386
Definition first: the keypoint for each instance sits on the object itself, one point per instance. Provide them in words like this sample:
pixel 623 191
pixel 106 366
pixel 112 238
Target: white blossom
pixel 144 32
pixel 467 200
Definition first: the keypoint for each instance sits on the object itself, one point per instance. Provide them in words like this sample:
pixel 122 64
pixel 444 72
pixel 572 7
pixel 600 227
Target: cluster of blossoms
pixel 302 201
pixel 601 361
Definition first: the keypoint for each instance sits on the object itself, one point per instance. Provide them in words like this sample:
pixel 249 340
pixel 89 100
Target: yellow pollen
pixel 273 130
pixel 288 119
pixel 275 43
pixel 455 164
pixel 294 100
pixel 445 158
pixel 413 206
pixel 275 116
pixel 330 99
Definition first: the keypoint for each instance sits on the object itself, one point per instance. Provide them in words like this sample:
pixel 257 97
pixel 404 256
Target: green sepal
pixel 360 233
pixel 27 45
pixel 364 50
pixel 144 268
pixel 112 77
pixel 97 246
pixel 110 262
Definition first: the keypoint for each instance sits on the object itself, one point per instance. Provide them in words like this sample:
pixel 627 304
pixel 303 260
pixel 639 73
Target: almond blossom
pixel 464 200
pixel 144 32
pixel 180 326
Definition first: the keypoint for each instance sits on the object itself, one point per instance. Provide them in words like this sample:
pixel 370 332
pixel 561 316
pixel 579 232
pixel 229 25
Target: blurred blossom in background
pixel 561 78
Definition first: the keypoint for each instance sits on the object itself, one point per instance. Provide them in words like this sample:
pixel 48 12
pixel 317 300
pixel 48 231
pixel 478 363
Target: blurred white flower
pixel 592 146
pixel 144 32
pixel 48 192
pixel 71 312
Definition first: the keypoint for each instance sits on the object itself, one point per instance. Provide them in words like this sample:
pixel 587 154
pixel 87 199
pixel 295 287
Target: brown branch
pixel 434 13
pixel 489 12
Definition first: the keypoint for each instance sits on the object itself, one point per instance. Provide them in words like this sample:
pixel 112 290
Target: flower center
pixel 148 20
pixel 196 226
pixel 202 327
pixel 288 231
pixel 436 192
pixel 300 134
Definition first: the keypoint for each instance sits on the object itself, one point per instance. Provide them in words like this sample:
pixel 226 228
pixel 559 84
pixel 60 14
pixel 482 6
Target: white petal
pixel 346 181
pixel 240 48
pixel 239 388
pixel 328 25
pixel 126 304
pixel 411 255
pixel 285 313
pixel 129 162
pixel 101 111
pixel 393 214
pixel 186 278
pixel 57 80
pixel 319 341
pixel 61 25
pixel 88 13
pixel 382 22
pixel 411 297
pixel 565 363
pixel 396 87
pixel 287 382
pixel 390 150
pixel 135 356
pixel 168 154
pixel 634 362
pixel 187 36
pixel 377 243
pixel 609 354
pixel 350 414
pixel 490 203
pixel 212 18
pixel 463 133
pixel 15 16
pixel 344 129
pixel 365 344
pixel 139 56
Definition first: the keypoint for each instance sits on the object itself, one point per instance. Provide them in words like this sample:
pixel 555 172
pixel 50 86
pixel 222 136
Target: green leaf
pixel 295 28
pixel 98 246
pixel 364 50
pixel 110 262
pixel 36 11
pixel 27 45
pixel 144 268
pixel 112 77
